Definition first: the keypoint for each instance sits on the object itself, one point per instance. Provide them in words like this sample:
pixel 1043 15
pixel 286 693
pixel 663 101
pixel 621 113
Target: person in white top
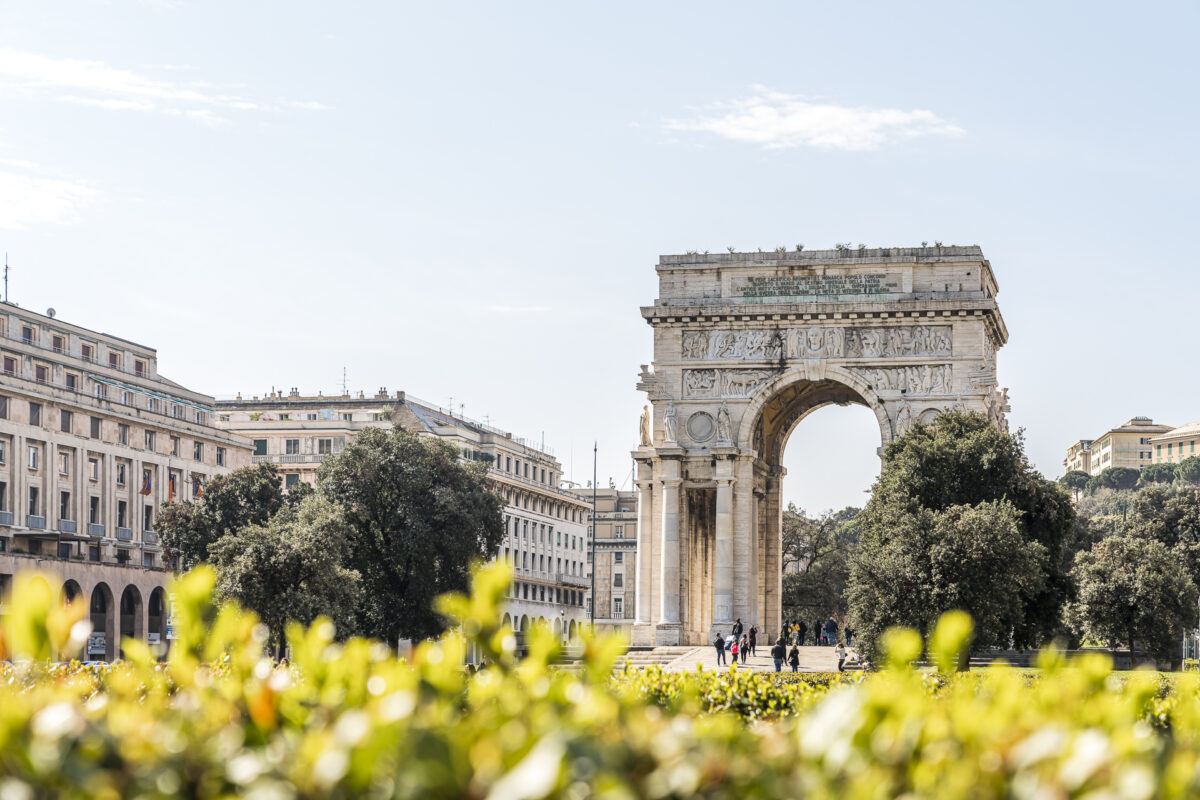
pixel 840 651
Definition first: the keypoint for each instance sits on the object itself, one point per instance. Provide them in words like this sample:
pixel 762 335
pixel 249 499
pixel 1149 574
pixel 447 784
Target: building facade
pixel 92 442
pixel 544 525
pixel 1176 444
pixel 1128 445
pixel 615 566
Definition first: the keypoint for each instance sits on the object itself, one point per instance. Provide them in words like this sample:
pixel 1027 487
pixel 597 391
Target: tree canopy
pixel 816 561
pixel 1164 472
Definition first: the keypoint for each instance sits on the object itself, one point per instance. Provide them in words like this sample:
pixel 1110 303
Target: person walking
pixel 719 643
pixel 801 629
pixel 737 628
pixel 777 654
pixel 744 648
pixel 733 649
pixel 831 631
pixel 753 638
pixel 818 633
pixel 848 633
pixel 840 650
pixel 794 658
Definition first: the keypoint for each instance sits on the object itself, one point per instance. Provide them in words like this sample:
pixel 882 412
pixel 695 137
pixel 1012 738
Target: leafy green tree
pixel 1157 473
pixel 1135 591
pixel 290 569
pixel 920 563
pixel 246 496
pixel 961 459
pixel 1074 480
pixel 1119 478
pixel 816 561
pixel 418 517
pixel 1170 515
pixel 1189 470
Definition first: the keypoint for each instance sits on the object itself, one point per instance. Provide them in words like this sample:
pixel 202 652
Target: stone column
pixel 723 560
pixel 669 572
pixel 645 565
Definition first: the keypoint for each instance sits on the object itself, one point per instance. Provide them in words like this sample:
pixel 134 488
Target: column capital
pixel 674 483
pixel 725 482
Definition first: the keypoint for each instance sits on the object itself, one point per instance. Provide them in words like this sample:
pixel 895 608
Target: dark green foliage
pixel 915 534
pixel 816 561
pixel 1075 481
pixel 418 517
pixel 1119 478
pixel 1134 591
pixel 1157 473
pixel 1189 470
pixel 246 496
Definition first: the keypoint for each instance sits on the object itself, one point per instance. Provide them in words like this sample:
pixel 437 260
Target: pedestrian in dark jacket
pixel 794 659
pixel 831 631
pixel 737 628
pixel 753 638
pixel 719 643
pixel 800 634
pixel 777 654
pixel 848 633
pixel 818 633
pixel 744 648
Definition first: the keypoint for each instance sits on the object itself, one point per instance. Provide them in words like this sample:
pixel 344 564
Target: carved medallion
pixel 701 426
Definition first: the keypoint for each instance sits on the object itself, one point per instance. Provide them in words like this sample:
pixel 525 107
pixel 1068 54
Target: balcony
pixel 66 525
pixel 6 518
pixel 124 535
pixel 35 522
pixel 150 537
pixel 578 581
pixel 302 458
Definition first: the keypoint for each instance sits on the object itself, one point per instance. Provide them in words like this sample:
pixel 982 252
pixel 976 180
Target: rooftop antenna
pixel 6 276
pixel 345 392
pixel 452 406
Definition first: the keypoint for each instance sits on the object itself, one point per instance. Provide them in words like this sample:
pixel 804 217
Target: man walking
pixel 753 638
pixel 778 653
pixel 719 643
pixel 737 628
pixel 818 637
pixel 801 630
pixel 831 631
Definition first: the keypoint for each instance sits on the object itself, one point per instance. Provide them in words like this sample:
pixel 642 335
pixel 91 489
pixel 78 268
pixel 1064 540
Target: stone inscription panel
pixel 818 341
pixel 858 283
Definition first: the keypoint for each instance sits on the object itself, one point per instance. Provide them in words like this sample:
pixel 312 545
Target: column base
pixel 642 635
pixel 668 633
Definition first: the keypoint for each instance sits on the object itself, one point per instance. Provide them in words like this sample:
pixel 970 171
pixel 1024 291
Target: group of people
pixel 742 643
pixel 825 634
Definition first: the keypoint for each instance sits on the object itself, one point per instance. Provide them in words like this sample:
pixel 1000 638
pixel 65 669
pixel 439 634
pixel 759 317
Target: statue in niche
pixel 644 429
pixel 724 426
pixel 669 424
pixel 903 418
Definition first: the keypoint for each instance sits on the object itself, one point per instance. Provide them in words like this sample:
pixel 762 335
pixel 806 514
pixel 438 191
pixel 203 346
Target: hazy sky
pixel 468 200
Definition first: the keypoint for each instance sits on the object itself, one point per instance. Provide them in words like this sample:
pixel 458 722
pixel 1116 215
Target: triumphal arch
pixel 745 346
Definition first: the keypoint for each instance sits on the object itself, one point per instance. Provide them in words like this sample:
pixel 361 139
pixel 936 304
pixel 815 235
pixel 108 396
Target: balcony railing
pixel 66 525
pixel 573 580
pixel 124 535
pixel 6 518
pixel 95 529
pixel 301 458
pixel 36 522
pixel 150 537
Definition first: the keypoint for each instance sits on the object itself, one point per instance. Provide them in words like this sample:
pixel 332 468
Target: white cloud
pixel 95 83
pixel 775 120
pixel 27 198
pixel 518 309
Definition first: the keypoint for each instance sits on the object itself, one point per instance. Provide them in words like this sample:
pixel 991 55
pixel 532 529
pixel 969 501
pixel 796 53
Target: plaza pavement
pixel 812 659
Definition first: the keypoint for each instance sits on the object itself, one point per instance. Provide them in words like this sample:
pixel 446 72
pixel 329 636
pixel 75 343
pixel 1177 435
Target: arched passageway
pixel 102 644
pixel 131 615
pixel 71 592
pixel 156 620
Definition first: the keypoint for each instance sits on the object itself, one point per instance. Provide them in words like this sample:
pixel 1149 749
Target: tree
pixel 1119 478
pixel 816 562
pixel 1074 480
pixel 1170 515
pixel 246 496
pixel 1157 473
pixel 418 517
pixel 1135 591
pixel 1189 469
pixel 962 459
pixel 291 568
pixel 923 562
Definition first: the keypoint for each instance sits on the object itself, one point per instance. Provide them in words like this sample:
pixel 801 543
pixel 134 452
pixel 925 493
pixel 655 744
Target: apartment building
pixel 615 529
pixel 92 442
pixel 1128 445
pixel 544 525
pixel 1176 444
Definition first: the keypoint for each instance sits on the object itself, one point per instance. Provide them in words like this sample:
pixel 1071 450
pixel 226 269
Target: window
pixel 3 452
pixel 291 479
pixel 35 455
pixel 147 517
pixel 174 445
pixel 94 510
pixel 347 417
pixel 122 433
pixel 139 367
pixel 100 391
pixel 126 398
pixel 34 501
pixel 543 476
pixel 149 436
pixel 58 343
pixel 285 417
pixel 507 464
pixel 95 427
pixel 197 451
pixel 26 334
pixel 220 456
pixel 618 558
pixel 589 531
pixel 1168 450
pixel 1158 449
pixel 176 411
pixel 120 474
pixel 260 447
pixel 72 382
pixel 64 421
pixel 3 407
pixel 310 416
pixel 10 365
pixel 94 469
pixel 122 514
pixel 198 417
pixel 35 413
pixel 64 505
pixel 64 463
pixel 618 580
pixel 152 404
pixel 324 446
pixel 87 351
pixel 292 447
pixel 620 532
pixel 41 373
pixel 618 607
pixel 114 359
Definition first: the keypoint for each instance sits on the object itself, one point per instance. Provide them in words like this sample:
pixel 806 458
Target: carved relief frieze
pixel 818 341
pixel 924 379
pixel 723 382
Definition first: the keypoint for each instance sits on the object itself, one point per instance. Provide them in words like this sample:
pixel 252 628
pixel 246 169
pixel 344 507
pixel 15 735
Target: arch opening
pixel 131 614
pixel 102 643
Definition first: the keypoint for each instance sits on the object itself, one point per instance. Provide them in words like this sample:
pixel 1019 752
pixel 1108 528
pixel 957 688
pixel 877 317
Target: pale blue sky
pixel 468 200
